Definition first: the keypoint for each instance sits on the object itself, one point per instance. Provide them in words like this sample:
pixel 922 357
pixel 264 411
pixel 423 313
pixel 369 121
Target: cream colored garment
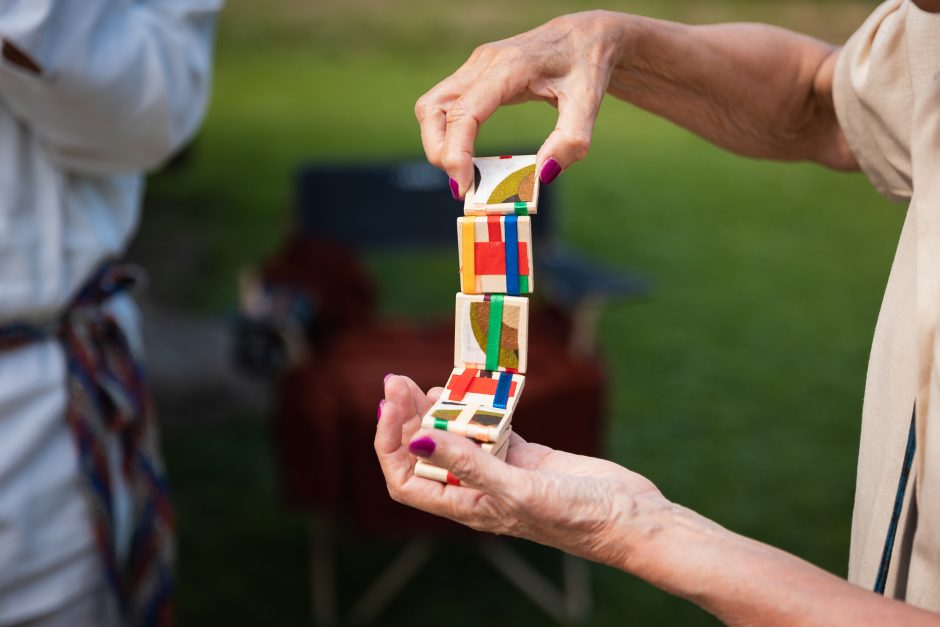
pixel 887 96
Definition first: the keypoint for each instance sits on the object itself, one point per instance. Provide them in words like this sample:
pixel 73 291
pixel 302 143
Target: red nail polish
pixel 381 404
pixel 422 447
pixel 454 188
pixel 550 171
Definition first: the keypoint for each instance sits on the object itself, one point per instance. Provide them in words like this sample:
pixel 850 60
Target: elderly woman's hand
pixel 566 62
pixel 582 505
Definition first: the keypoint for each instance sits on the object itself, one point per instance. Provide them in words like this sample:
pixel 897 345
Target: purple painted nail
pixel 385 380
pixel 550 171
pixel 454 189
pixel 381 404
pixel 422 447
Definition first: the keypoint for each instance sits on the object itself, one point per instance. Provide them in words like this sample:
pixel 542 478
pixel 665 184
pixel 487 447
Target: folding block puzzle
pixel 473 420
pixel 495 254
pixel 503 185
pixel 485 387
pixel 491 332
pixel 491 324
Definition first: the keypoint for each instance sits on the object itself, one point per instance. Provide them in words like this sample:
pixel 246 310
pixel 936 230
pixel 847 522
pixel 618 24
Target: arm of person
pixel 754 89
pixel 606 513
pixel 107 86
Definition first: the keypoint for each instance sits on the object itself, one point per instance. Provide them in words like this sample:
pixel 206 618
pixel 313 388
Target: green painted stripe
pixel 492 335
pixel 523 284
pixel 440 423
pixel 522 208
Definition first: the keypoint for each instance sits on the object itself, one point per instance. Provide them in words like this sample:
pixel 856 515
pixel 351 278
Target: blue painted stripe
pixel 512 254
pixel 882 577
pixel 501 398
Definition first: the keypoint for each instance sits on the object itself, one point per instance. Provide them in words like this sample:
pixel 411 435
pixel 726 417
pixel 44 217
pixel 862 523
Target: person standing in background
pixel 92 94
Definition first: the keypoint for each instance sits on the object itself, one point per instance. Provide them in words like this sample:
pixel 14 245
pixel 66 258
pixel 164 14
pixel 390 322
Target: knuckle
pixel 464 466
pixel 421 107
pixel 451 160
pixel 580 144
pixel 481 51
pixel 457 111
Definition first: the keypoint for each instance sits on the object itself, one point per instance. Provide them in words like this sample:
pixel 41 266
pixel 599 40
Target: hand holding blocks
pixel 491 317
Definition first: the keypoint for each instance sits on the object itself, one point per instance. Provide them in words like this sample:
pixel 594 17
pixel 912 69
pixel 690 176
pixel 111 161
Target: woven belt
pixel 107 398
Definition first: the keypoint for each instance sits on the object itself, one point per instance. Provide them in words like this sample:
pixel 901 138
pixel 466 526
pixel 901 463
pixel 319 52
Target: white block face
pixel 476 347
pixel 503 186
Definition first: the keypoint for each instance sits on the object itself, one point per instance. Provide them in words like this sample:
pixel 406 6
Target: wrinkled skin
pixel 575 503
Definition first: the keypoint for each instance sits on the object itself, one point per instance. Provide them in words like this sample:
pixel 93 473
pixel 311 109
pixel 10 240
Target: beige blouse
pixel 887 97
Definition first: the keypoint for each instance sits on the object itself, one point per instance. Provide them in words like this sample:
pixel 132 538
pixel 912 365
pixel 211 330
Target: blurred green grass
pixel 737 387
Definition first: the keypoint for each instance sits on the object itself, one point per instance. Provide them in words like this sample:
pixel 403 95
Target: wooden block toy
pixel 428 470
pixel 491 319
pixel 491 332
pixel 495 254
pixel 500 447
pixel 484 387
pixel 503 450
pixel 505 185
pixel 473 420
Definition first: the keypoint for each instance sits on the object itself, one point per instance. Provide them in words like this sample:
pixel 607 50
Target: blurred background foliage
pixel 736 387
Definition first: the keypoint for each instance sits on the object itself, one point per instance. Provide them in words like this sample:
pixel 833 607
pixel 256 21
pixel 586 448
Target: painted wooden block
pixel 495 255
pixel 484 387
pixel 505 185
pixel 491 332
pixel 500 448
pixel 472 420
pixel 428 470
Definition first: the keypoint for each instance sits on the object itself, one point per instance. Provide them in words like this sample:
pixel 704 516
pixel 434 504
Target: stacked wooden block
pixel 492 317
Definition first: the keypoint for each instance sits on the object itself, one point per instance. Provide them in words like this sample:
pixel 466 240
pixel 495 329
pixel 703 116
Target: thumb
pixel 571 139
pixel 469 463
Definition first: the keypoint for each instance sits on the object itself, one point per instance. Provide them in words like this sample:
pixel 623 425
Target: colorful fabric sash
pixel 107 395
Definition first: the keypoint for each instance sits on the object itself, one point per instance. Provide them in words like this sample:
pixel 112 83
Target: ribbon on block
pixel 512 254
pixel 468 267
pixel 494 331
pixel 501 398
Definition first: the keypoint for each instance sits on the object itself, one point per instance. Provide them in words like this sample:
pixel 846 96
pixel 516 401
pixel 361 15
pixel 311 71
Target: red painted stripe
pixel 493 228
pixel 459 385
pixel 490 258
pixel 452 480
pixel 505 156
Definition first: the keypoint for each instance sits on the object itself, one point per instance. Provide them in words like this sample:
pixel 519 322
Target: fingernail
pixel 385 380
pixel 550 171
pixel 381 404
pixel 422 447
pixel 454 188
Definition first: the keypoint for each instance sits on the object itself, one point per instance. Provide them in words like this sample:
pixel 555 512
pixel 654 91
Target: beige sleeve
pixel 873 99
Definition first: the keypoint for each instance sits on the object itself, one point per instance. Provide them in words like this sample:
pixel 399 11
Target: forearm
pixel 742 581
pixel 754 89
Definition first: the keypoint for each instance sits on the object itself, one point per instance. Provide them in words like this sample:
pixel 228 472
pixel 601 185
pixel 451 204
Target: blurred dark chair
pixel 308 321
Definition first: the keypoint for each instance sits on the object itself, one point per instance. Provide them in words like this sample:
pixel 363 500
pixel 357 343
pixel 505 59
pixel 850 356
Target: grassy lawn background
pixel 737 388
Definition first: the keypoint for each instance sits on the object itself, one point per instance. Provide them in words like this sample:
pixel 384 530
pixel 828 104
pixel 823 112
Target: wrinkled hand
pixel 582 505
pixel 566 62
